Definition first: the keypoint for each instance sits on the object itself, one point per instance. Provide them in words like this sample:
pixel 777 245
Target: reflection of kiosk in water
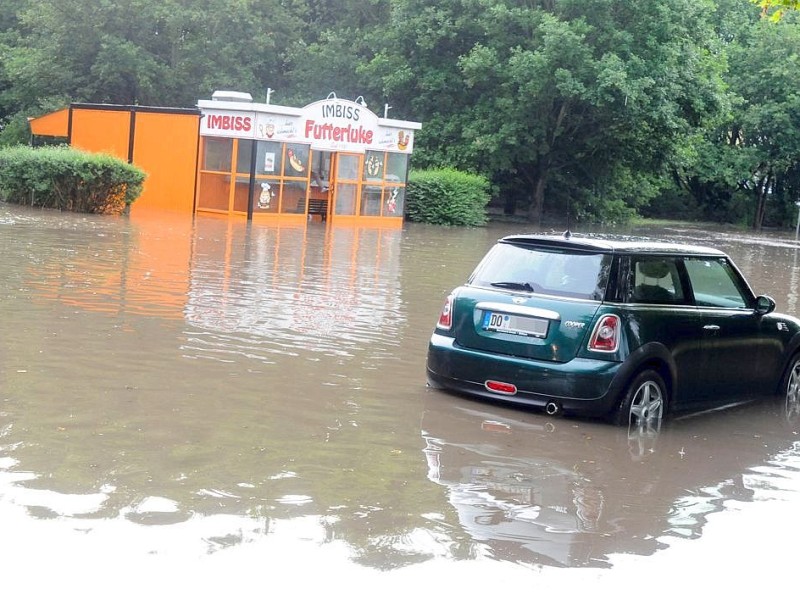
pixel 533 491
pixel 331 160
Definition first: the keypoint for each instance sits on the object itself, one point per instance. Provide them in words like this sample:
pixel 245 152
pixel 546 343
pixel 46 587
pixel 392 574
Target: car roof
pixel 609 245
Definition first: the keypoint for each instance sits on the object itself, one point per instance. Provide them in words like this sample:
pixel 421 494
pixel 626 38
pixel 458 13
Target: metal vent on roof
pixel 227 96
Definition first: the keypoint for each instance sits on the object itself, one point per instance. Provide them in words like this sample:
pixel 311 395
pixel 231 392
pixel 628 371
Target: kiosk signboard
pixel 334 125
pixel 228 123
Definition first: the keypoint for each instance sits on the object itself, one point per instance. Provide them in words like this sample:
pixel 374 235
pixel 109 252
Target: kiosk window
pixel 373 165
pixel 296 160
pixel 348 167
pixel 371 200
pixel 243 155
pixel 217 154
pixel 346 199
pixel 396 167
pixel 268 158
pixel 395 199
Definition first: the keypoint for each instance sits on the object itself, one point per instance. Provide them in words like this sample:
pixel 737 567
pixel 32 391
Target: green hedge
pixel 447 197
pixel 68 179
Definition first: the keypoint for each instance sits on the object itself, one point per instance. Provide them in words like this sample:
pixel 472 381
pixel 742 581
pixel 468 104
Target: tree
pixel 415 69
pixel 578 99
pixel 767 78
pixel 776 8
pixel 746 166
pixel 338 38
pixel 144 52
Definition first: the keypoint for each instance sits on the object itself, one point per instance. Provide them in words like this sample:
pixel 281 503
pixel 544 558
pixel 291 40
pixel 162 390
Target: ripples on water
pixel 208 385
pixel 295 291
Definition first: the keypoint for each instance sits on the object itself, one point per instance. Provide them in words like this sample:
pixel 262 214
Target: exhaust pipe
pixel 552 409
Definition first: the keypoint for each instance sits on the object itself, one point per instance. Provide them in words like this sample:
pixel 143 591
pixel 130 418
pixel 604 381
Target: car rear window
pixel 556 272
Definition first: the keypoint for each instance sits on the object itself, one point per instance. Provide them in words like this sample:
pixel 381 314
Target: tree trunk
pixel 762 191
pixel 510 206
pixel 758 217
pixel 539 181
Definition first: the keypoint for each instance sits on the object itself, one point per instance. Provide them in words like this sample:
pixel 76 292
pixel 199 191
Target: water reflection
pixel 262 291
pixel 209 385
pixel 571 493
pixel 106 265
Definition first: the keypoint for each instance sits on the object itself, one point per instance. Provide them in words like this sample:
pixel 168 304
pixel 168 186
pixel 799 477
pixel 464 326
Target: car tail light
pixel 605 337
pixel 446 316
pixel 500 387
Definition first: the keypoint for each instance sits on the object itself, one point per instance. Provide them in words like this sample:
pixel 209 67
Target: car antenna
pixel 568 233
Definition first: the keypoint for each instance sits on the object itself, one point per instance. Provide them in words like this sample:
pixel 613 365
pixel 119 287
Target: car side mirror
pixel 764 305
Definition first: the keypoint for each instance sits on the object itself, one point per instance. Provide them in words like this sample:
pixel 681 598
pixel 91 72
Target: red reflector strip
pixel 500 387
pixel 495 426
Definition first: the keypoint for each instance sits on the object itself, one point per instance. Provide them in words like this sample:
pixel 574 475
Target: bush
pixel 68 179
pixel 447 197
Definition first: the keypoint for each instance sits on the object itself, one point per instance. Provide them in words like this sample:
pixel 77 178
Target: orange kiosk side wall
pixel 55 124
pixel 105 131
pixel 165 147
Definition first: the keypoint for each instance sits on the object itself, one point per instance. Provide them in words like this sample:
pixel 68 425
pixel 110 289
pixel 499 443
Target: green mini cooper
pixel 598 327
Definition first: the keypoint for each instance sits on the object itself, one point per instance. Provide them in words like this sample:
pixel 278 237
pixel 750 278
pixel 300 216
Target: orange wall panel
pixel 106 131
pixel 165 147
pixel 55 124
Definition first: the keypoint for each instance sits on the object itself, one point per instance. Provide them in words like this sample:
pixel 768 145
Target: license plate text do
pixel 515 324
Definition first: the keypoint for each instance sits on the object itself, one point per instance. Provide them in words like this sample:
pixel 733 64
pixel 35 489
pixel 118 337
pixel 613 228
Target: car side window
pixel 714 283
pixel 656 280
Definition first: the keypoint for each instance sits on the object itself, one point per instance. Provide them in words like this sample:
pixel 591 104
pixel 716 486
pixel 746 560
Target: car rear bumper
pixel 581 386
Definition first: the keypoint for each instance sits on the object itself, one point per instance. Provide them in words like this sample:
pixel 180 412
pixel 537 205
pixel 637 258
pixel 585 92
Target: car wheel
pixel 643 405
pixel 791 390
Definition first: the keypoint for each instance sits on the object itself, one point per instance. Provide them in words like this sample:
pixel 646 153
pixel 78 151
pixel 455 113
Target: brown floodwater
pixel 201 407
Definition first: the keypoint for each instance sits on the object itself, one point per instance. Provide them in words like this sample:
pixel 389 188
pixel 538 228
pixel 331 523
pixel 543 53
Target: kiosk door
pixel 320 186
pixel 346 184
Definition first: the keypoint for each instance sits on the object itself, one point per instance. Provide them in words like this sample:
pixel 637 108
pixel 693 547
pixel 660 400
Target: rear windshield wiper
pixel 513 285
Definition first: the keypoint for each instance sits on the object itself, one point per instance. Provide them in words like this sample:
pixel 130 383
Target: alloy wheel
pixel 647 409
pixel 793 394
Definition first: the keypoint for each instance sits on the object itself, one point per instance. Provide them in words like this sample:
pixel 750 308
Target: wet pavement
pixel 205 407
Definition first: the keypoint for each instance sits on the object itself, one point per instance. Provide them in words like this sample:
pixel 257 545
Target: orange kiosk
pixel 331 160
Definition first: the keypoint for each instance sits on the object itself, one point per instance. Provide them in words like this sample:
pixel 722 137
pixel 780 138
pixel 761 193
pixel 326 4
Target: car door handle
pixel 711 327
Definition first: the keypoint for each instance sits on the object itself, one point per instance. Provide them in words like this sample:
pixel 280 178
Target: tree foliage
pixel 776 8
pixel 596 108
pixel 570 99
pixel 744 168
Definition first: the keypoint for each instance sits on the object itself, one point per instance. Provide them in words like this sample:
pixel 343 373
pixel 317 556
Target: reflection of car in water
pixel 534 490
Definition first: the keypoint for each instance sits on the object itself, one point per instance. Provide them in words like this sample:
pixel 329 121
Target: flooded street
pixel 200 408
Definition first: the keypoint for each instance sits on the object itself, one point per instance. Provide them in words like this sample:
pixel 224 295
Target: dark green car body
pixel 518 331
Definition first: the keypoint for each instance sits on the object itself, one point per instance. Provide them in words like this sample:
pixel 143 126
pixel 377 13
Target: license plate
pixel 515 324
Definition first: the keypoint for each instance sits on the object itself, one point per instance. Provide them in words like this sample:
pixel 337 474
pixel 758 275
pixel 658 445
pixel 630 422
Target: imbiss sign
pixel 332 124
